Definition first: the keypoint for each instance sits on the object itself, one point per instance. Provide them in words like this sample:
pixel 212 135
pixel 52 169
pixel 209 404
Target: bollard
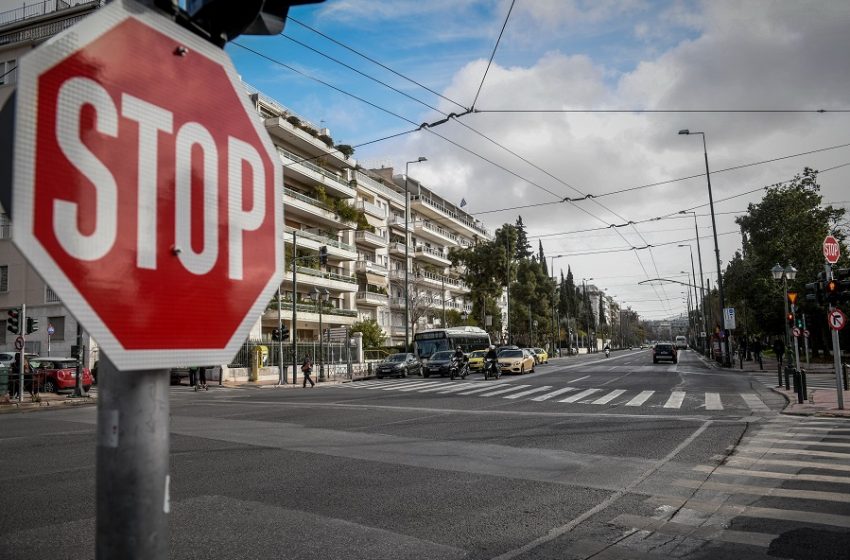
pixel 804 389
pixel 846 377
pixel 779 373
pixel 788 371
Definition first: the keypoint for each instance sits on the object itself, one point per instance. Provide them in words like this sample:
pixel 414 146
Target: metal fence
pixel 336 358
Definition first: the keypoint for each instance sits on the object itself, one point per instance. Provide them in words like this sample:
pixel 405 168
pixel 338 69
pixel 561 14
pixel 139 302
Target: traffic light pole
pixel 23 353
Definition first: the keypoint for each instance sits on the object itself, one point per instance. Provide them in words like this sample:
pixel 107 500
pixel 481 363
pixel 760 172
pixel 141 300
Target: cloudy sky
pixel 581 97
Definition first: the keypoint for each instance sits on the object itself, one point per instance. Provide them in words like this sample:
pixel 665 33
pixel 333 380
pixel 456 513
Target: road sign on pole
pixel 831 249
pixel 837 319
pixel 729 318
pixel 142 206
pixel 796 332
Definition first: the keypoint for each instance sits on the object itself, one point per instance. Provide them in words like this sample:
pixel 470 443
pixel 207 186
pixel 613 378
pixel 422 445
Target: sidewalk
pixel 821 402
pixel 44 401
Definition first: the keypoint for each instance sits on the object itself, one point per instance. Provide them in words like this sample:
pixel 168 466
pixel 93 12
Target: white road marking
pixel 676 399
pixel 484 389
pixel 579 396
pixel 456 388
pixel 712 401
pixel 731 471
pixel 529 392
pixel 641 398
pixel 754 402
pixel 507 390
pixel 579 379
pixel 417 386
pixel 441 387
pixel 763 491
pixel 609 397
pixel 547 396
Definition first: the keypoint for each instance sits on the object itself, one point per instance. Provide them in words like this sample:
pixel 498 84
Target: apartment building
pixel 21 30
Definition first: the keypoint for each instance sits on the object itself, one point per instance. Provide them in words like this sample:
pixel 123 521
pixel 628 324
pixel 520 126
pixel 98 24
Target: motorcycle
pixel 459 369
pixel 492 369
pixel 607 353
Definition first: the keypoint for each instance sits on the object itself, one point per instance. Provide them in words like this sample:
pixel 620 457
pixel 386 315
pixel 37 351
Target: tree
pixel 522 247
pixel 373 334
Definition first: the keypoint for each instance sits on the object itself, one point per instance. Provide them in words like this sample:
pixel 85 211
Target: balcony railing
pixel 398 221
pixel 369 237
pixel 307 199
pixel 286 305
pixel 369 266
pixel 450 213
pixel 437 230
pixel 367 181
pixel 37 9
pixel 321 239
pixel 432 251
pixel 326 275
pixel 373 297
pixel 372 209
pixel 39 32
pixel 298 160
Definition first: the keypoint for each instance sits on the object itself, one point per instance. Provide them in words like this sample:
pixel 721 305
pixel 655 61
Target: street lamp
pixel 786 273
pixel 699 306
pixel 320 298
pixel 727 359
pixel 406 250
pixel 585 303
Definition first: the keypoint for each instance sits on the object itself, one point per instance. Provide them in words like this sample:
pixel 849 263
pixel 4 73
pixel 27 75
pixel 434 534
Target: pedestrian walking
pixel 201 378
pixel 757 352
pixel 307 369
pixel 193 376
pixel 779 350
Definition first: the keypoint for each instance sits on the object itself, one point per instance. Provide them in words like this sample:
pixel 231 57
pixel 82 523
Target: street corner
pixel 45 402
pixel 822 402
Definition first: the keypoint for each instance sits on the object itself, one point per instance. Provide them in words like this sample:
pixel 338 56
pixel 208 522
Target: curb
pixel 14 406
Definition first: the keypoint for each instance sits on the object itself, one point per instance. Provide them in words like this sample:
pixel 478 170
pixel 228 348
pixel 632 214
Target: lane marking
pixel 529 392
pixel 705 532
pixel 763 491
pixel 579 396
pixel 732 471
pixel 712 401
pixel 579 379
pixel 482 389
pixel 609 397
pixel 786 441
pixel 641 398
pixel 506 390
pixel 548 396
pixel 676 399
pixel 441 387
pixel 754 402
pixel 732 461
pixel 456 388
pixel 796 435
pixel 782 451
pixel 416 386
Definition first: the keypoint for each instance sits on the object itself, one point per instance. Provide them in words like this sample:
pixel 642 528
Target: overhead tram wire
pixel 661 111
pixel 493 54
pixel 665 182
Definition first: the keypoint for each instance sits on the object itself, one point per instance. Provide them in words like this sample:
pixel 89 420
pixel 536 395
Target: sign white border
pixel 30 67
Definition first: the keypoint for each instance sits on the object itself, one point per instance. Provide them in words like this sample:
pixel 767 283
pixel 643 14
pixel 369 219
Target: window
pixel 5 227
pixel 3 331
pixel 58 324
pixel 4 278
pixel 8 71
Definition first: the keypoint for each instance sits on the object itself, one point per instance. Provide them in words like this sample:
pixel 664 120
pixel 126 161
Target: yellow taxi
pixel 476 360
pixel 516 361
pixel 541 355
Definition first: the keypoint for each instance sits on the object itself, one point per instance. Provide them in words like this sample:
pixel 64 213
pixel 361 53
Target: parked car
pixel 476 360
pixel 400 365
pixel 516 361
pixel 438 364
pixel 55 374
pixel 178 375
pixel 664 351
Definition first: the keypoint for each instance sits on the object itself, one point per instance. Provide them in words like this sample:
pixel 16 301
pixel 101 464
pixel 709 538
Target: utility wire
pixel 492 55
pixel 373 61
pixel 615 111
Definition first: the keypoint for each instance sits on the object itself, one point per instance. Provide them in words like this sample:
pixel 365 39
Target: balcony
pixel 437 210
pixel 398 222
pixel 364 266
pixel 397 249
pixel 372 299
pixel 372 209
pixel 435 233
pixel 366 181
pixel 312 209
pixel 309 240
pixel 308 312
pixel 310 173
pixel 281 128
pixel 369 239
pixel 331 280
pixel 433 256
pixel 397 302
pixel 398 275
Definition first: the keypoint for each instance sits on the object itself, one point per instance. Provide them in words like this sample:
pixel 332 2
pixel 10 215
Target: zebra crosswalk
pixel 776 480
pixel 595 396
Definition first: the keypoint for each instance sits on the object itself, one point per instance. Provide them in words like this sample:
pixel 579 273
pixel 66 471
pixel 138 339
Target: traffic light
pixel 814 292
pixel 32 325
pixel 284 333
pixel 831 289
pixel 799 323
pixel 842 278
pixel 275 334
pixel 790 318
pixel 13 323
pixel 323 254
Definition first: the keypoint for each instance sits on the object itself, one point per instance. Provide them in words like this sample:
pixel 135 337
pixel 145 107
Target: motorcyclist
pixel 490 358
pixel 607 350
pixel 457 360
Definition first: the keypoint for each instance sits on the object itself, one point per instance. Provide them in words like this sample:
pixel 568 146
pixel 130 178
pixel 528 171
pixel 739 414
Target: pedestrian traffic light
pixel 832 292
pixel 323 254
pixel 799 323
pixel 276 334
pixel 13 323
pixel 32 325
pixel 790 319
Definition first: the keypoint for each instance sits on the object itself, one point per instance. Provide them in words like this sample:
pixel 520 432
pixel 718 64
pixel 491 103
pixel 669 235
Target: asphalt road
pixel 588 457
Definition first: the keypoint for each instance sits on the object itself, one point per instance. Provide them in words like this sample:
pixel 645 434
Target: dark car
pixel 438 364
pixel 664 351
pixel 400 365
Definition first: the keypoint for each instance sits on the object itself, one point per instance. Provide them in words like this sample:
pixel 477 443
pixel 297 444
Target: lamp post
pixel 700 309
pixel 320 298
pixel 786 273
pixel 701 278
pixel 406 251
pixel 727 357
pixel 584 303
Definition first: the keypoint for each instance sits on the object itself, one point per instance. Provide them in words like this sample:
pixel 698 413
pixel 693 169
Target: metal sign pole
pixel 23 353
pixel 806 342
pixel 132 463
pixel 836 349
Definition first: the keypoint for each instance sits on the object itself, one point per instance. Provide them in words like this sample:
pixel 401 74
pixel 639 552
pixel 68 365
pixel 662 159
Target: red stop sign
pixel 146 192
pixel 831 249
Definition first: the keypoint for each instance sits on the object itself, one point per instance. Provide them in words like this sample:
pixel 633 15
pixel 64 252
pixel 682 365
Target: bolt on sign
pixel 145 190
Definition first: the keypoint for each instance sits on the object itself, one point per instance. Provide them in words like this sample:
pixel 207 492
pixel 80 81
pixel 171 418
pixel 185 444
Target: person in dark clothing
pixel 307 369
pixel 756 348
pixel 779 350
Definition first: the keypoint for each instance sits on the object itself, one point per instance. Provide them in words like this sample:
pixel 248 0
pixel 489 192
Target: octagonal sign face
pixel 146 192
